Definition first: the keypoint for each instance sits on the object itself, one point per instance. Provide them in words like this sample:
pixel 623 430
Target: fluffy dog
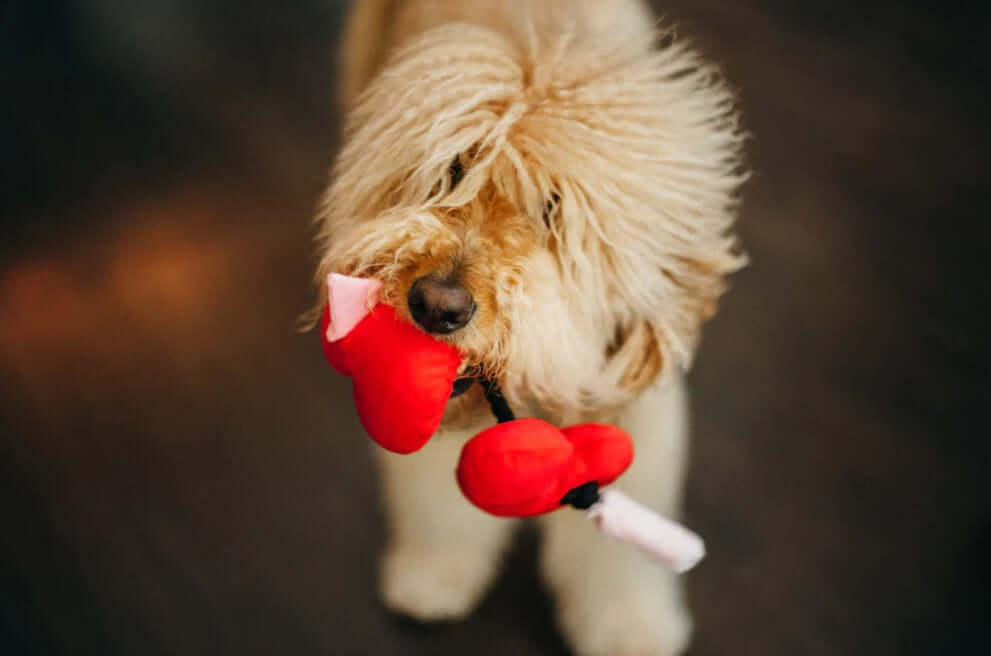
pixel 551 186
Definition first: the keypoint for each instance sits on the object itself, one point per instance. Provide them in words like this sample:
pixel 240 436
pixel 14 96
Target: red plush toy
pixel 403 379
pixel 400 400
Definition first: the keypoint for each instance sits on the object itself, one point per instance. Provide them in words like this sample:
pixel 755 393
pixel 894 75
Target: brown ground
pixel 181 473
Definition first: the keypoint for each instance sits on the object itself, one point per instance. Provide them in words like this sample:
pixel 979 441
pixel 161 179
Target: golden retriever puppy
pixel 550 185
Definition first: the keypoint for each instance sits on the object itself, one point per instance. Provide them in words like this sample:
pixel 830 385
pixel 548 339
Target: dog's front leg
pixel 442 552
pixel 610 600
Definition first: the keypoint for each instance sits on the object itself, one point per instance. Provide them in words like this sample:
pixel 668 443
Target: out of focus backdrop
pixel 181 473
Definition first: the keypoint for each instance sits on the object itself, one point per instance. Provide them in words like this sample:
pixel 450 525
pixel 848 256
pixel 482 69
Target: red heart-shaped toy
pixel 402 377
pixel 525 467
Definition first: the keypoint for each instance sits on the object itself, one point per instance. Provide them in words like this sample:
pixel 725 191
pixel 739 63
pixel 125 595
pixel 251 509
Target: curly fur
pixel 593 222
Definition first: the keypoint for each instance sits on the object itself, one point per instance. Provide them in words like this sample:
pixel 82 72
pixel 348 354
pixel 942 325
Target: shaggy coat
pixel 574 168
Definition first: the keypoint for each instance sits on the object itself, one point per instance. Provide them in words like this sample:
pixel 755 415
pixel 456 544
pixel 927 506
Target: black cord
pixel 582 497
pixel 500 407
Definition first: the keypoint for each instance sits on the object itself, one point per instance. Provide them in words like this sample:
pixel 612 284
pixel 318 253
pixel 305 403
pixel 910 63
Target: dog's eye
pixel 456 172
pixel 550 208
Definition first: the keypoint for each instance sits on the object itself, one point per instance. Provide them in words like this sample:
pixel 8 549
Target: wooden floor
pixel 180 472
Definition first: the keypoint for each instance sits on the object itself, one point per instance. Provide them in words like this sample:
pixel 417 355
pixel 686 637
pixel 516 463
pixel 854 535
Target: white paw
pixel 634 627
pixel 433 586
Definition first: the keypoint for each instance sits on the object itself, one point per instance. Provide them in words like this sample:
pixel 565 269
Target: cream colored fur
pixel 593 228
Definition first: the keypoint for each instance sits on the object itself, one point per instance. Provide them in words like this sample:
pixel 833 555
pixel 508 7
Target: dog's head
pixel 559 212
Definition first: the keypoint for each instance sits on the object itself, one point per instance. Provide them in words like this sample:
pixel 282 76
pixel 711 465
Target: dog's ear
pixel 666 333
pixel 636 356
pixel 638 351
pixel 698 281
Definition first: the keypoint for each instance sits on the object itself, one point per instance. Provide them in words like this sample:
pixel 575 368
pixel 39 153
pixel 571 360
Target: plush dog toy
pixel 403 379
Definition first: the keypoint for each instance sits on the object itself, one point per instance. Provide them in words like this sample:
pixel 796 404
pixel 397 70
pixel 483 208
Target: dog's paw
pixel 631 627
pixel 433 586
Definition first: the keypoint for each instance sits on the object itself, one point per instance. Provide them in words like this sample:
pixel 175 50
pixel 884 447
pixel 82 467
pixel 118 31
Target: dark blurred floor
pixel 180 472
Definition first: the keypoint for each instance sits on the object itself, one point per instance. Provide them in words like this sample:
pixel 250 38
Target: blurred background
pixel 181 473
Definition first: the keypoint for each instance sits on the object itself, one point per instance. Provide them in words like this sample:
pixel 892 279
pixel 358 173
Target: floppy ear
pixel 639 351
pixel 678 244
pixel 635 357
pixel 698 281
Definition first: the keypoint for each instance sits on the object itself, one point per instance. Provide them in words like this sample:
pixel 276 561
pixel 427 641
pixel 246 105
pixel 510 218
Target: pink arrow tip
pixel 350 300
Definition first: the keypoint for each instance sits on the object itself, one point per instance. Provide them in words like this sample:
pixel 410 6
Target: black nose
pixel 440 306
